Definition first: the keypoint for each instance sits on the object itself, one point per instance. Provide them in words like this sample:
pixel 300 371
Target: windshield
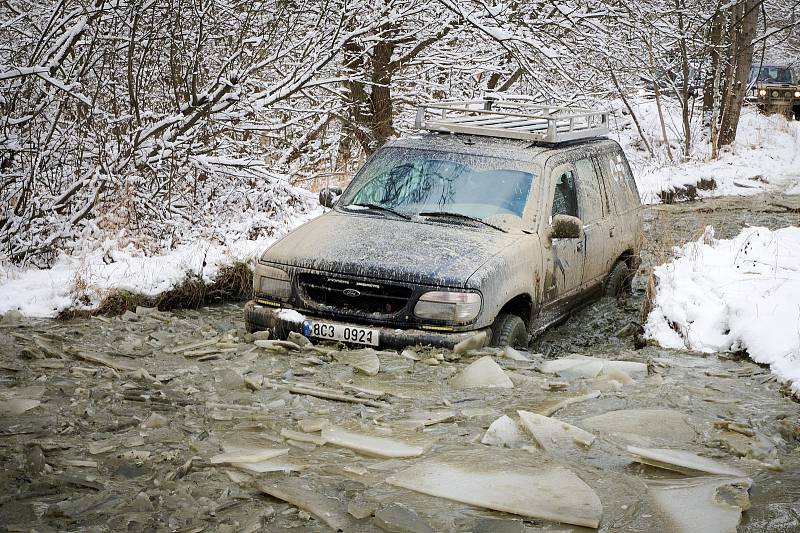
pixel 414 181
pixel 772 74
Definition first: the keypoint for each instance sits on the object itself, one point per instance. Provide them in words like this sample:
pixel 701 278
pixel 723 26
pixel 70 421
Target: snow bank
pixel 729 295
pixel 764 158
pixel 98 267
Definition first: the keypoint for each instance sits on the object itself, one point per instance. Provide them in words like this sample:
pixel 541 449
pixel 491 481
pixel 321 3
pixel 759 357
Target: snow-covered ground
pixel 737 294
pixel 764 158
pixel 103 266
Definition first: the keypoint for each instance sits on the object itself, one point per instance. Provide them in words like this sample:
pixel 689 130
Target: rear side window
pixel 622 187
pixel 590 197
pixel 565 198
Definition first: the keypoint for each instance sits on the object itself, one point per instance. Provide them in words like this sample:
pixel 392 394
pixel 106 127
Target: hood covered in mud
pixel 381 247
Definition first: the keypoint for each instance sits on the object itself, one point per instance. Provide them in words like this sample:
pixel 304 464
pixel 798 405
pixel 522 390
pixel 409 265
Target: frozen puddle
pixel 500 480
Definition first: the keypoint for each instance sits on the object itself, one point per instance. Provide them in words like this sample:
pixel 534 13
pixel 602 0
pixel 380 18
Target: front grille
pixel 354 295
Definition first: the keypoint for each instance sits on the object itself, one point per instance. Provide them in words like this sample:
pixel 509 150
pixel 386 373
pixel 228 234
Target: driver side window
pixel 565 198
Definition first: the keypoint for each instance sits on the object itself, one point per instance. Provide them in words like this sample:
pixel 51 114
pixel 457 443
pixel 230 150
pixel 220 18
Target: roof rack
pixel 512 119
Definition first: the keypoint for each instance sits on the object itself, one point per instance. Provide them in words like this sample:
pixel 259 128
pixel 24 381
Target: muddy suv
pixel 775 90
pixel 497 221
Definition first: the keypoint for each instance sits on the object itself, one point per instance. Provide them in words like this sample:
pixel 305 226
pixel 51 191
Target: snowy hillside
pixel 764 158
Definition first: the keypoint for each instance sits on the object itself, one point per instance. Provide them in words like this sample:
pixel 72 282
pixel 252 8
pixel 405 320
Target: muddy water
pixel 126 418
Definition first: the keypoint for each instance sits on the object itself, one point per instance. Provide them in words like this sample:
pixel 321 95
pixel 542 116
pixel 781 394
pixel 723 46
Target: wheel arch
pixel 630 258
pixel 520 305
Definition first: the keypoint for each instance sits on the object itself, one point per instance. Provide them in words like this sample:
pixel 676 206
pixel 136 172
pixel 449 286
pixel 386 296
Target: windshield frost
pixel 414 181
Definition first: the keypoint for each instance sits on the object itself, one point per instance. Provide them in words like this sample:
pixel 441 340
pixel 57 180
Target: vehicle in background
pixel 497 221
pixel 775 90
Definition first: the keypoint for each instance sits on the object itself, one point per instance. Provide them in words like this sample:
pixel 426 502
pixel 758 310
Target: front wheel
pixel 509 330
pixel 619 280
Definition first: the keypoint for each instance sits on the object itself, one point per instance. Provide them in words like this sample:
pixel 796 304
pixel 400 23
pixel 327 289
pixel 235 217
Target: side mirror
pixel 565 227
pixel 329 195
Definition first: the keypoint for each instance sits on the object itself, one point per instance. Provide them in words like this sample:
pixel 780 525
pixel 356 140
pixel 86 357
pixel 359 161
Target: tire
pixel 618 282
pixel 509 330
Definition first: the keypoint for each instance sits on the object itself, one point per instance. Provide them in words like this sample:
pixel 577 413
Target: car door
pixel 624 199
pixel 594 213
pixel 565 272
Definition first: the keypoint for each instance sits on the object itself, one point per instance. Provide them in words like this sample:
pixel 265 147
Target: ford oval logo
pixel 352 293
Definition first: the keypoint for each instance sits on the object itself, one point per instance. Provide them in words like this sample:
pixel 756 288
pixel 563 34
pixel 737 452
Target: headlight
pixel 775 94
pixel 274 283
pixel 458 307
pixel 762 92
pixel 797 94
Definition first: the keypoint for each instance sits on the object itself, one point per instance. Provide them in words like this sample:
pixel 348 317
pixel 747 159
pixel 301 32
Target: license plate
pixel 340 332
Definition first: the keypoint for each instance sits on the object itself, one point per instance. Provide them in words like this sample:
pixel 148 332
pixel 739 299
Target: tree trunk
pixel 714 44
pixel 356 103
pixel 743 28
pixel 684 93
pixel 657 94
pixel 381 99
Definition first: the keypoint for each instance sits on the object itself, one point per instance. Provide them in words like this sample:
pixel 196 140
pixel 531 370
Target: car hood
pixel 382 247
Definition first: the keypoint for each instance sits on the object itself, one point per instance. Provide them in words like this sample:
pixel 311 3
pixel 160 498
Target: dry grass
pixel 233 283
pixel 675 226
pixel 687 193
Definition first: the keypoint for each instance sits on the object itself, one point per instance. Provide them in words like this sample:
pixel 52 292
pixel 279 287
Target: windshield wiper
pixel 449 214
pixel 378 207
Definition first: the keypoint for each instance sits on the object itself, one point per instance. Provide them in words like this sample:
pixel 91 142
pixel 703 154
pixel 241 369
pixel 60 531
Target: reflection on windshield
pixel 413 181
pixel 773 75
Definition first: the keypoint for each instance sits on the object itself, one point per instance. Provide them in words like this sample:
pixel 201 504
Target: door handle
pixel 611 231
pixel 579 247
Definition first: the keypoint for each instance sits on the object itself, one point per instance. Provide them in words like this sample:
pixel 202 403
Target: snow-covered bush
pixel 731 295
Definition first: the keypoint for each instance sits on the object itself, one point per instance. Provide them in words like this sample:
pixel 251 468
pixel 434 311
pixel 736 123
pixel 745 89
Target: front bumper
pixel 260 317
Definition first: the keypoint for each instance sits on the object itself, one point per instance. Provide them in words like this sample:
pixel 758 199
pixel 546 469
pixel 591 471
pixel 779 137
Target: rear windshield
pixel 414 181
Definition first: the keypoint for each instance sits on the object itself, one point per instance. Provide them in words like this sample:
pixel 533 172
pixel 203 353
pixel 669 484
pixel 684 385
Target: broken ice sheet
pixel 302 437
pixel 396 517
pixel 508 481
pixel 277 464
pixel 370 445
pixel 707 504
pixel 551 406
pixel 581 366
pixel 554 435
pixel 482 373
pixel 505 432
pixel 235 454
pixel 417 420
pixel 303 493
pixel 310 425
pixel 645 427
pixel 472 343
pixel 17 406
pixel 682 461
pixel 364 360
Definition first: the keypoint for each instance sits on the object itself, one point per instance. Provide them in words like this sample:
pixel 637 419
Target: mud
pixel 179 421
